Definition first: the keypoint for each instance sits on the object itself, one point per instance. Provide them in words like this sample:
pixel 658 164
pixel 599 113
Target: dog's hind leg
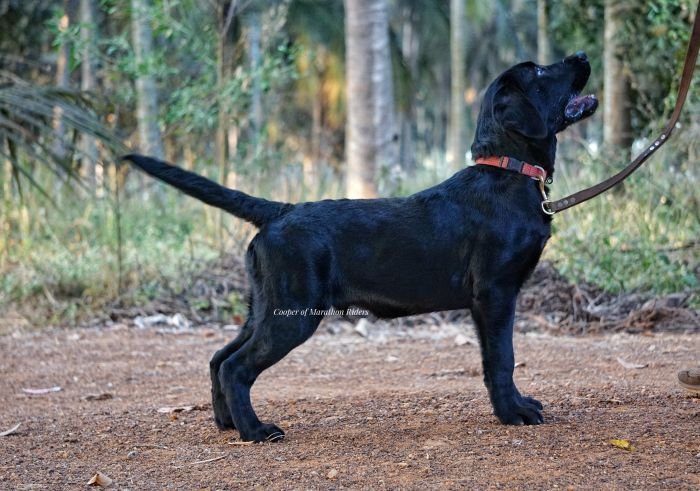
pixel 493 311
pixel 272 338
pixel 222 413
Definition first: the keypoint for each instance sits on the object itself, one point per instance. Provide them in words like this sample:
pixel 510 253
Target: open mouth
pixel 580 107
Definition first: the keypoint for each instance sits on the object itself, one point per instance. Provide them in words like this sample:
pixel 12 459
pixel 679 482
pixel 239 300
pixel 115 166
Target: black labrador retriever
pixel 469 242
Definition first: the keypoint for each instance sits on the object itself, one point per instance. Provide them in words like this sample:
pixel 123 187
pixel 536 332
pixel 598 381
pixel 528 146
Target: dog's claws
pixel 275 437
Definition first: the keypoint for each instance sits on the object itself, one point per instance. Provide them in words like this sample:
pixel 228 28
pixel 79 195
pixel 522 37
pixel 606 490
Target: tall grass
pixel 61 264
pixel 65 260
pixel 642 236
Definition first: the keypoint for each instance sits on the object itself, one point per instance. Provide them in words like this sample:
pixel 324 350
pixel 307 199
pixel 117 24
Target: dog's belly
pixel 386 310
pixel 394 288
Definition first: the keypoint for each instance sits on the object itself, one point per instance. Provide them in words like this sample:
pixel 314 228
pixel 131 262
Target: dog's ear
pixel 513 111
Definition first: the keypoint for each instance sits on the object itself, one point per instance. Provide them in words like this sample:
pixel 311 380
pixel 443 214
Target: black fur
pixel 257 211
pixel 469 242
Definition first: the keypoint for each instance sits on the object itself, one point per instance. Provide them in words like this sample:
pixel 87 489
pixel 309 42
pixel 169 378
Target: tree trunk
pixel 457 140
pixel 407 117
pixel 88 82
pixel 544 49
pixel 254 56
pixel 62 80
pixel 223 66
pixel 617 135
pixel 371 139
pixel 312 161
pixel 8 204
pixel 150 141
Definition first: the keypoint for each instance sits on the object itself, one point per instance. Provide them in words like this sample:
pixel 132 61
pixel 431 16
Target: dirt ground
pixel 402 408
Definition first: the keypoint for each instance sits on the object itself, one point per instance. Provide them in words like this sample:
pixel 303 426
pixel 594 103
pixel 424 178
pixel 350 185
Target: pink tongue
pixel 577 105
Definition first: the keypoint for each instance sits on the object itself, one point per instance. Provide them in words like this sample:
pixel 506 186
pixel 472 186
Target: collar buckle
pixel 546 202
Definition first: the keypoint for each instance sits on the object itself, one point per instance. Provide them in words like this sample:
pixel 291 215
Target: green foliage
pixel 645 237
pixel 641 238
pixel 26 126
pixel 71 257
pixel 66 262
pixel 653 45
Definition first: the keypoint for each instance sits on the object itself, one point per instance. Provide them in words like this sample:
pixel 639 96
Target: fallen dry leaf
pixel 98 397
pixel 361 327
pixel 178 320
pixel 623 444
pixel 11 430
pixel 461 340
pixel 630 366
pixel 101 480
pixel 38 392
pixel 180 409
pixel 432 444
pixel 448 373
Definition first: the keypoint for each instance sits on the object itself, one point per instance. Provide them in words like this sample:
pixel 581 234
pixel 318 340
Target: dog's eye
pixel 539 71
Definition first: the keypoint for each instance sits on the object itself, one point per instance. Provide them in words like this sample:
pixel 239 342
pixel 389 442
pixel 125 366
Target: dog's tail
pixel 257 211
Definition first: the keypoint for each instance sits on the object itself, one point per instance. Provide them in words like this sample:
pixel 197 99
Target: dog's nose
pixel 579 56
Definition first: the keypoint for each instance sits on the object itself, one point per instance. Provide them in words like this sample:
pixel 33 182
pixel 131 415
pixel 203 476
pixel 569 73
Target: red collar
pixel 515 165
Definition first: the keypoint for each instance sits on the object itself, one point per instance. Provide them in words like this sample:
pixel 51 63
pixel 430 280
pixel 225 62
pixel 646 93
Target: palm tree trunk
pixel 617 135
pixel 254 56
pixel 314 161
pixel 223 61
pixel 88 83
pixel 371 139
pixel 63 81
pixel 407 117
pixel 457 140
pixel 544 49
pixel 150 140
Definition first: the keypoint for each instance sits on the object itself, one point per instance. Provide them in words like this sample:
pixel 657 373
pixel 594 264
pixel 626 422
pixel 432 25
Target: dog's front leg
pixel 493 312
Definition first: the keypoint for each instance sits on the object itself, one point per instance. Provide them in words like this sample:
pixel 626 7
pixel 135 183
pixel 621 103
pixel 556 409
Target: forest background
pixel 301 100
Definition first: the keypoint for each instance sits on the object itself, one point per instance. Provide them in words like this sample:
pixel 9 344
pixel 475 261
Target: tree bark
pixel 544 49
pixel 371 139
pixel 254 57
pixel 88 82
pixel 150 140
pixel 407 116
pixel 62 79
pixel 227 11
pixel 617 134
pixel 311 163
pixel 457 140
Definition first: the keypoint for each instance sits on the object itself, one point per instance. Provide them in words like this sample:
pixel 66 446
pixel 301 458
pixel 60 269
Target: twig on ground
pixel 206 461
pixel 11 430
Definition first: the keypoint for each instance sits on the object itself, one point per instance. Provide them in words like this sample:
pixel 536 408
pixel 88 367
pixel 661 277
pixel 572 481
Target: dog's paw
pixel 222 414
pixel 266 432
pixel 224 423
pixel 533 401
pixel 520 411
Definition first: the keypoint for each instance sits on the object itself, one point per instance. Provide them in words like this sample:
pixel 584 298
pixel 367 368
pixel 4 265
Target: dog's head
pixel 528 104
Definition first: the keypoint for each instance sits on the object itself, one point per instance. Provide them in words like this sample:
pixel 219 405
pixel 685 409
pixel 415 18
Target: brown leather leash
pixel 552 207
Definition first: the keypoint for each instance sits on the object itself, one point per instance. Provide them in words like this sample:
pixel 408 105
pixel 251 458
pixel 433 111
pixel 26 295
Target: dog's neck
pixel 514 165
pixel 514 147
